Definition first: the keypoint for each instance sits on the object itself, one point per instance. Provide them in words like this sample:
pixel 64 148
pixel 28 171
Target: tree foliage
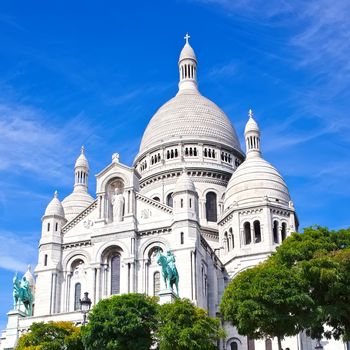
pixel 51 336
pixel 183 326
pixel 122 322
pixel 304 285
pixel 267 301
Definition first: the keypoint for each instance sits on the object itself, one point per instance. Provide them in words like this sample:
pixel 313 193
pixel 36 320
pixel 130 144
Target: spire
pixel 252 136
pixel 81 171
pixel 187 67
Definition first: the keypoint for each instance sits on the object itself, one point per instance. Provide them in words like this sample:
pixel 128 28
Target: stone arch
pixel 110 178
pixel 231 341
pixel 125 252
pixel 145 248
pixel 75 255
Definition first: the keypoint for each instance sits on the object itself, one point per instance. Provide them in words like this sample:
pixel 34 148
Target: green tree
pixel 268 301
pixel 323 260
pixel 122 322
pixel 51 336
pixel 183 326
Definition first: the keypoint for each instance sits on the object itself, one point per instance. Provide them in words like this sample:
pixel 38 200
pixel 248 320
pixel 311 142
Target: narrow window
pixel 167 154
pixel 45 260
pixel 211 207
pixel 268 344
pixel 232 238
pixel 257 231
pixel 56 226
pixel 275 231
pixel 284 231
pixel 191 152
pixel 234 346
pixel 209 153
pixel 176 153
pixel 169 199
pixel 48 226
pixel 156 283
pixel 172 153
pixel 205 152
pixel 182 203
pixel 115 274
pixel 247 233
pixel 227 243
pixel 182 238
pixel 190 202
pixel 77 296
pixel 195 152
pixel 186 151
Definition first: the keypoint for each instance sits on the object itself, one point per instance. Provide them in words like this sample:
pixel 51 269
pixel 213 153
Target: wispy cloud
pixel 226 70
pixel 18 250
pixel 30 143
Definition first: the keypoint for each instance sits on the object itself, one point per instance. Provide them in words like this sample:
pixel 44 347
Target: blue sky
pixel 94 73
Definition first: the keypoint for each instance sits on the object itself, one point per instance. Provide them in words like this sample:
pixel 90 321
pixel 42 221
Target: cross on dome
pixel 82 149
pixel 186 38
pixel 250 113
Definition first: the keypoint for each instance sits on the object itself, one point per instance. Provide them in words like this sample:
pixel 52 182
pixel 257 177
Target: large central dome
pixel 189 116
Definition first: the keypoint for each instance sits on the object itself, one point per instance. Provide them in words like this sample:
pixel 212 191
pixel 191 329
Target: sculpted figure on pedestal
pixel 118 205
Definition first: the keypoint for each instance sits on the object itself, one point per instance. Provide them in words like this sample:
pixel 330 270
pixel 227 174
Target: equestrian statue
pixel 169 270
pixel 22 295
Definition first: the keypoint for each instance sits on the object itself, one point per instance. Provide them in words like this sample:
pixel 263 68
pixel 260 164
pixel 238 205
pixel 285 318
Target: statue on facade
pixel 169 270
pixel 22 295
pixel 118 205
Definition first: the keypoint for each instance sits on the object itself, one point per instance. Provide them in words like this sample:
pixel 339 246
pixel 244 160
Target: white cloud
pixel 17 250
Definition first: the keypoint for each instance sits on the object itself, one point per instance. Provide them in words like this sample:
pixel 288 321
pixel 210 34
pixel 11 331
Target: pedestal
pixel 166 296
pixel 11 332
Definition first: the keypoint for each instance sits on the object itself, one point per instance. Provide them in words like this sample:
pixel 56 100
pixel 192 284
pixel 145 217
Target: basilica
pixel 191 191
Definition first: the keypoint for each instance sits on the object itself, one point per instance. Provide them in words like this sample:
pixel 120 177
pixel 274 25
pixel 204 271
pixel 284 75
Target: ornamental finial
pixel 56 194
pixel 250 113
pixel 186 38
pixel 82 149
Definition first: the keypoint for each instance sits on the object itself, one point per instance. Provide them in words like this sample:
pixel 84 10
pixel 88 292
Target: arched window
pixel 257 231
pixel 77 296
pixel 156 199
pixel 232 238
pixel 115 274
pixel 48 226
pixel 275 231
pixel 56 226
pixel 195 152
pixel 181 202
pixel 45 260
pixel 156 283
pixel 226 242
pixel 186 151
pixel 169 199
pixel 234 346
pixel 211 207
pixel 284 231
pixel 247 233
pixel 182 238
pixel 268 344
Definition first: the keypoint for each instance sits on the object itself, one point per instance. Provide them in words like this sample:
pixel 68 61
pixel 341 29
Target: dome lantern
pixel 187 67
pixel 252 137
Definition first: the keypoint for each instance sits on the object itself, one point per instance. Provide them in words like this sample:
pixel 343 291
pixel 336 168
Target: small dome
pixel 29 277
pixel 254 180
pixel 82 161
pixel 187 53
pixel 55 207
pixel 252 125
pixel 184 183
pixel 75 203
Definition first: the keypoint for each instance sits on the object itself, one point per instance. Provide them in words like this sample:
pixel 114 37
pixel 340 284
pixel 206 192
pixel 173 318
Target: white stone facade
pixel 190 190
